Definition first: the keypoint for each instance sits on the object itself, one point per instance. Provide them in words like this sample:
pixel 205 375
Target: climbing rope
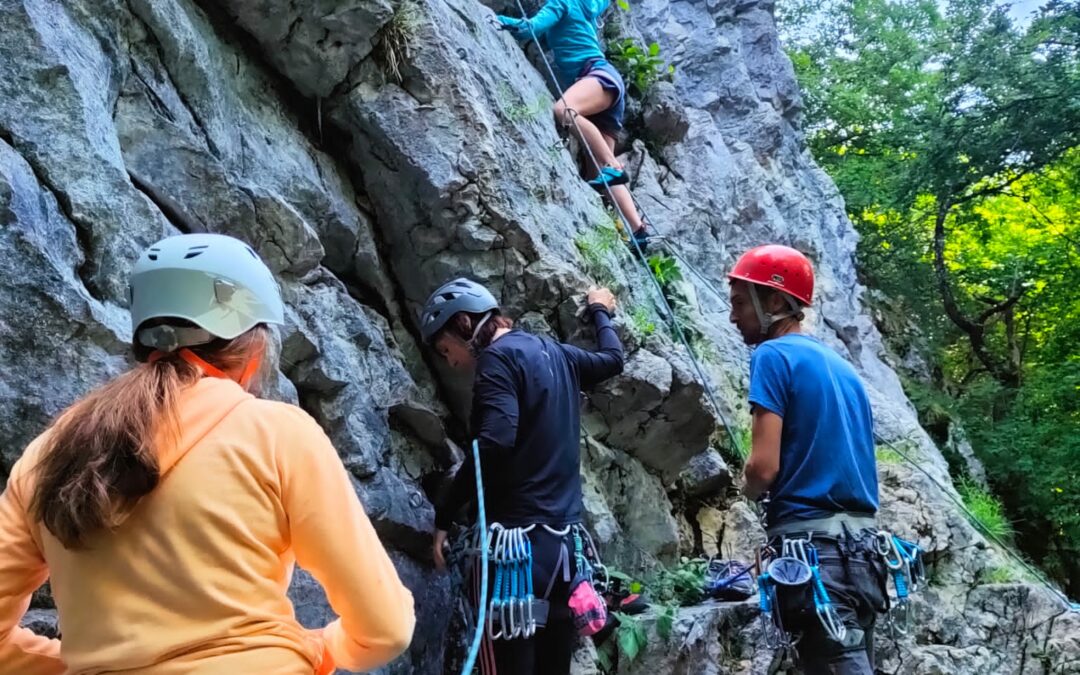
pixel 485 541
pixel 670 313
pixel 1032 570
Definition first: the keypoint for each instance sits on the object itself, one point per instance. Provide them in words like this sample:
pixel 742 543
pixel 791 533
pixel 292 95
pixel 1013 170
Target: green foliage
pixel 517 109
pixel 986 510
pixel 954 136
pixel 630 635
pixel 599 247
pixel 665 269
pixel 640 67
pixel 998 575
pixel 682 585
pixel 642 321
pixel 886 455
pixel 623 5
pixel 665 621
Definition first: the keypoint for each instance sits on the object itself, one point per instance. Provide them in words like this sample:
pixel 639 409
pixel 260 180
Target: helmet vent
pixel 195 251
pixel 152 253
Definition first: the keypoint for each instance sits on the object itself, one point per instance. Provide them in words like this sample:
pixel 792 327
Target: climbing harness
pixel 904 561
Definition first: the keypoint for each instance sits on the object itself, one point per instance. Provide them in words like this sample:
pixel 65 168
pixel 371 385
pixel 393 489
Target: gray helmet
pixel 216 282
pixel 459 295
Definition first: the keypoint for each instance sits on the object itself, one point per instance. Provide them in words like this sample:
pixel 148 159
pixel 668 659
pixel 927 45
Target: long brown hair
pixel 462 325
pixel 100 456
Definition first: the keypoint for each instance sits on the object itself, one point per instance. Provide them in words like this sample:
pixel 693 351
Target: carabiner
pixel 832 622
pixel 495 606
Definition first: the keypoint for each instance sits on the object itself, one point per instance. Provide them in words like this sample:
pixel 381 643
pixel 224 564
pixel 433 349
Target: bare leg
pixel 623 198
pixel 587 97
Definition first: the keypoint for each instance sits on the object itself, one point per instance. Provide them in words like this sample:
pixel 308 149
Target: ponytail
pixel 101 454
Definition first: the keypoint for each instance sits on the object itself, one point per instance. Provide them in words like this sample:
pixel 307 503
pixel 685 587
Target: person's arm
pixel 550 14
pixel 335 541
pixel 764 462
pixel 495 422
pixel 770 384
pixel 608 360
pixel 22 570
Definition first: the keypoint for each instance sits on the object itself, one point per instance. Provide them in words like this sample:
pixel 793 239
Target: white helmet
pixel 216 282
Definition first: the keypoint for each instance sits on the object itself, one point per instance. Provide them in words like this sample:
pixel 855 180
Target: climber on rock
pixel 525 416
pixel 169 506
pixel 594 95
pixel 813 453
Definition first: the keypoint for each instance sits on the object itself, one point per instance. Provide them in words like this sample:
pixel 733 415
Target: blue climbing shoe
pixel 608 177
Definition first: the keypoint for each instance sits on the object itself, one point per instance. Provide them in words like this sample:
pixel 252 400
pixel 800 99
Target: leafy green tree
pixel 954 135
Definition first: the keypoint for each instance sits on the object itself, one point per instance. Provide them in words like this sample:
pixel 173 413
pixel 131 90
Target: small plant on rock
pixel 397 37
pixel 642 322
pixel 641 67
pixel 985 510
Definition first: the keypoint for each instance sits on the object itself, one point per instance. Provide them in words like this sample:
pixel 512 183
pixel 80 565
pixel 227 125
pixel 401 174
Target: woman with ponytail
pixel 169 506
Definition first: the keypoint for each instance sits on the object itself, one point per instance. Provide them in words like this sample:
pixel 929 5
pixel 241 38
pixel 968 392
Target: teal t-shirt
pixel 827 462
pixel 571 30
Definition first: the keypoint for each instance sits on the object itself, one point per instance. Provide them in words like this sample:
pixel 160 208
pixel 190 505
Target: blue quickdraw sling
pixel 904 561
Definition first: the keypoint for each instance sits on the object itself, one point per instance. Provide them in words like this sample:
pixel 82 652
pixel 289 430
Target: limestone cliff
pixel 370 149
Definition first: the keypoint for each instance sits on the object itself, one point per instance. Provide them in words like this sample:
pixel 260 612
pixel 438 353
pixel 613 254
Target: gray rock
pixel 50 324
pixel 644 528
pixel 44 622
pixel 664 116
pixel 705 475
pixel 315 44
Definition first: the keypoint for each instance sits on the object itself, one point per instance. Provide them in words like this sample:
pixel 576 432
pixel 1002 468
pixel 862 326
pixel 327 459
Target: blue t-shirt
pixel 827 459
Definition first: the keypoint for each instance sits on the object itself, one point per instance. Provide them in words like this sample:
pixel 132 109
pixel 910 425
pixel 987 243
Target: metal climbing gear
pixel 904 560
pixel 785 573
pixel 797 566
pixel 512 614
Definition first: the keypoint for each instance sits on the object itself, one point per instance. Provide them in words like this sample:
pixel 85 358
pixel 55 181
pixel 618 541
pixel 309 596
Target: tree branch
pixel 976 332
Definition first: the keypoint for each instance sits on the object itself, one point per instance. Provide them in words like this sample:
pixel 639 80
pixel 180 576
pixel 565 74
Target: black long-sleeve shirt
pixel 526 415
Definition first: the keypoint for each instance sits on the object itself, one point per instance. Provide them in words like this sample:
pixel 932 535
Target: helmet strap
pixel 209 369
pixel 766 319
pixel 197 361
pixel 476 331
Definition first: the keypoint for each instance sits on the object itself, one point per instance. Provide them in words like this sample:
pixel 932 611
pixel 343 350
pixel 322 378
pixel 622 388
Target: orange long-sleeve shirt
pixel 193 580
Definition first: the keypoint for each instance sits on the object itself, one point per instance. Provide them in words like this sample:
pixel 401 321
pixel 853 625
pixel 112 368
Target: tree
pixel 914 110
pixel 954 136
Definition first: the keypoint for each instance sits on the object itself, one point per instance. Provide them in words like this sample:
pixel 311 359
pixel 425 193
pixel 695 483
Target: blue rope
pixel 482 524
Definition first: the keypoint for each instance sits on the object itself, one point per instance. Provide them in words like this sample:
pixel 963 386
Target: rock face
pixel 371 149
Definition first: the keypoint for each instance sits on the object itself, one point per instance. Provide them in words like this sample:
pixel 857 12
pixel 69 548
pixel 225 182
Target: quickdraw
pixel 904 561
pixel 512 597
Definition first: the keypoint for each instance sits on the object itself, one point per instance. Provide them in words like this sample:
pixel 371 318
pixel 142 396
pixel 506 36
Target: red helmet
pixel 779 267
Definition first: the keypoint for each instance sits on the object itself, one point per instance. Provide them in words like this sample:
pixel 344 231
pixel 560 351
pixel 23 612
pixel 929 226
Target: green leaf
pixel 628 642
pixel 623 5
pixel 665 622
pixel 605 657
pixel 654 49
